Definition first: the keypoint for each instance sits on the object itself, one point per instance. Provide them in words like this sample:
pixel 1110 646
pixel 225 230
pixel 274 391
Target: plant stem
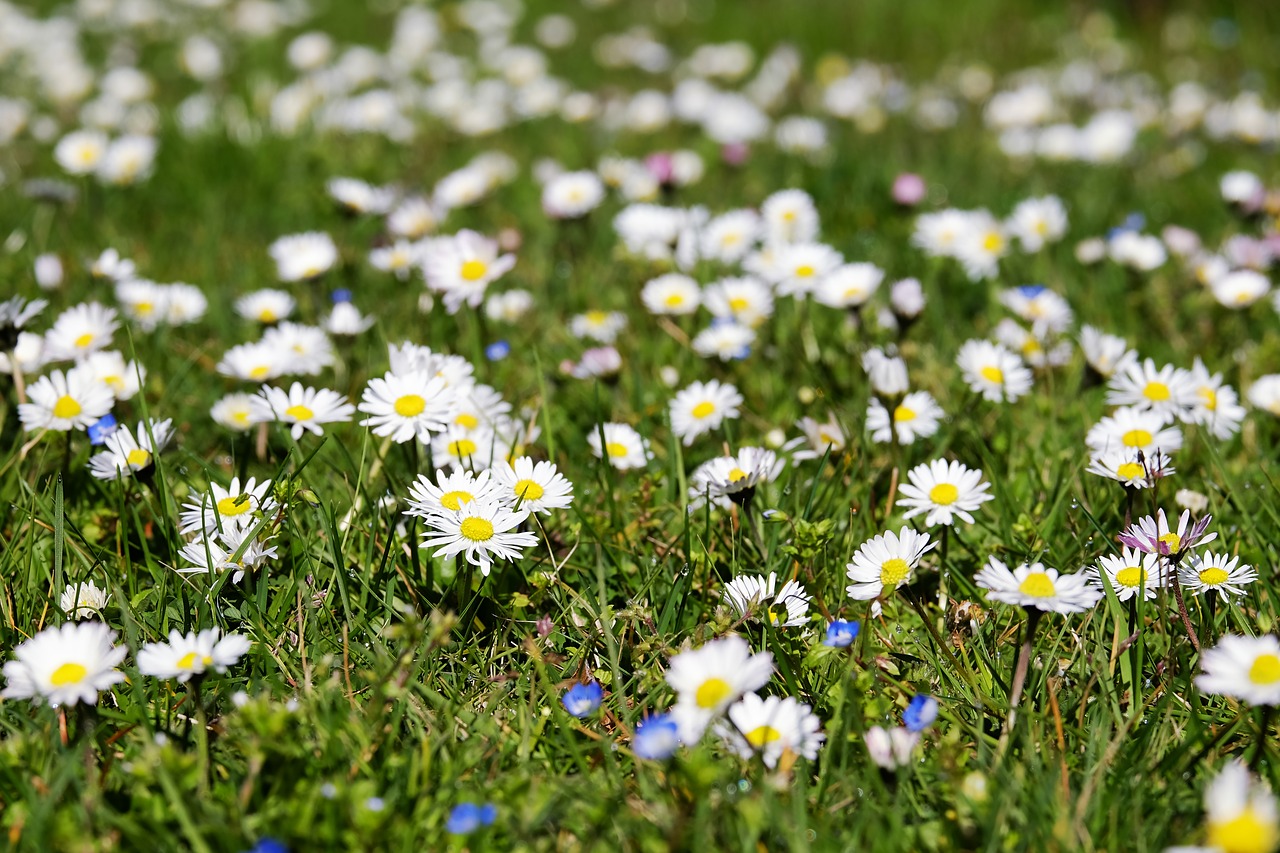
pixel 1021 667
pixel 201 731
pixel 1182 606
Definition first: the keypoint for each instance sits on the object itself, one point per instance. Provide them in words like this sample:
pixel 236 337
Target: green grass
pixel 407 685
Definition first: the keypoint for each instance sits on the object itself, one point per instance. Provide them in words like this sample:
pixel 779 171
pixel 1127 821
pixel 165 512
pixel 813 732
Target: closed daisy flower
pixel 771 728
pixel 407 406
pixel 702 407
pixel 304 409
pixel 621 445
pixel 1033 585
pixel 1220 573
pixel 708 679
pixel 533 486
pixel 885 562
pixel 672 293
pixel 992 371
pixel 190 655
pixel 65 665
pixel 1130 573
pixel 1132 429
pixel 481 531
pixel 915 417
pixel 1244 668
pixel 1165 391
pixel 945 491
pixel 65 402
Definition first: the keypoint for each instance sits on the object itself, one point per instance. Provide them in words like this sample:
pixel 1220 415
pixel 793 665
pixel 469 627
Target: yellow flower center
pixel 944 494
pixel 761 735
pixel 675 300
pixel 1131 577
pixel 66 407
pixel 993 375
pixel 1173 541
pixel 68 673
pixel 1247 832
pixel 266 315
pixel 902 414
pixel 300 413
pixel 189 660
pixel 115 382
pixel 84 340
pixel 144 307
pixel 778 614
pixel 1265 669
pixel 993 242
pixel 1213 577
pixel 805 271
pixel 712 693
pixel 138 458
pixel 474 270
pixel 596 317
pixel 477 529
pixel 241 418
pixel 455 499
pixel 788 216
pixel 259 372
pixel 1210 398
pixel 1037 585
pixel 703 409
pixel 894 571
pixel 467 421
pixel 463 447
pixel 616 449
pixel 737 474
pixel 529 490
pixel 1130 471
pixel 738 304
pixel 410 405
pixel 234 505
pixel 1136 438
pixel 1156 392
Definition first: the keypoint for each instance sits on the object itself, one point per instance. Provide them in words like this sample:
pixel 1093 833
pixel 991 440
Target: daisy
pixel 345 320
pixel 15 313
pixel 981 245
pixel 887 374
pixel 79 331
pixel 849 286
pixel 708 679
pixel 945 490
pixel 728 237
pixel 621 444
pixel 1166 391
pixel 823 437
pixel 801 267
pixel 789 606
pixel 256 362
pixel 886 561
pixel 1244 668
pixel 771 728
pixel 746 300
pixel 233 550
pixel 1036 221
pixel 891 748
pixel 600 326
pixel 131 453
pixel 81 151
pixel 480 406
pixel 992 371
pixel 357 196
pixel 1039 306
pixel 702 407
pixel 83 600
pixel 1241 814
pixel 302 407
pixel 1153 535
pixel 572 195
pixel 462 266
pixel 127 160
pixel 1032 585
pixel 265 306
pixel 227 509
pixel 450 492
pixel 1130 572
pixel 1135 430
pixel 407 406
pixel 481 531
pixel 1217 406
pixel 413 218
pixel 915 417
pixel 673 294
pixel 65 402
pixel 509 307
pixel 1240 289
pixel 65 665
pixel 1220 573
pixel 461 448
pixel 737 476
pixel 724 339
pixel 304 349
pixel 536 487
pixel 1264 393
pixel 110 265
pixel 1131 467
pixel 304 256
pixel 144 302
pixel 235 412
pixel 192 655
pixel 789 216
pixel 124 379
pixel 1105 354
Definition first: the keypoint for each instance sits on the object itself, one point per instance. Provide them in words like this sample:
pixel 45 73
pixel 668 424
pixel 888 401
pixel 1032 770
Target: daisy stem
pixel 1260 746
pixel 1021 667
pixel 19 385
pixel 943 597
pixel 87 733
pixel 201 730
pixel 1182 607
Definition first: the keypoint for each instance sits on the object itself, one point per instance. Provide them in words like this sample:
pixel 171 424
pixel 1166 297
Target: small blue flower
pixel 1031 291
pixel 99 432
pixel 656 737
pixel 268 845
pixel 497 351
pixel 841 634
pixel 341 295
pixel 920 713
pixel 466 818
pixel 582 699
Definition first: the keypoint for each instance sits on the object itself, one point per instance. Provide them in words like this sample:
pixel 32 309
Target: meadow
pixel 507 425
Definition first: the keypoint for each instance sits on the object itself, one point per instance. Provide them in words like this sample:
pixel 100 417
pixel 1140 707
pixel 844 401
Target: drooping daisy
pixel 481 531
pixel 915 417
pixel 304 408
pixel 186 656
pixel 233 550
pixel 1130 572
pixel 672 293
pixel 992 371
pixel 130 453
pixel 1131 467
pixel 771 728
pixel 708 679
pixel 536 487
pixel 83 600
pixel 65 402
pixel 1128 428
pixel 462 266
pixel 1153 535
pixel 945 491
pixel 1244 668
pixel 65 665
pixel 15 313
pixel 407 406
pixel 304 256
pixel 622 446
pixel 266 306
pixel 231 508
pixel 235 412
pixel 79 331
pixel 702 407
pixel 885 562
pixel 1166 391
pixel 1220 573
pixel 759 596
pixel 1035 585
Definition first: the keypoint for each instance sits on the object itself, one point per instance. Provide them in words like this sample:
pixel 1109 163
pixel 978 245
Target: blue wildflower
pixel 268 845
pixel 466 818
pixel 101 431
pixel 1031 291
pixel 582 699
pixel 497 351
pixel 920 713
pixel 841 634
pixel 656 737
pixel 341 295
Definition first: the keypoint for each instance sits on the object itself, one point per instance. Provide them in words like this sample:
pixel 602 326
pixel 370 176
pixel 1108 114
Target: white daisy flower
pixel 621 445
pixel 1037 221
pixel 509 307
pixel 801 267
pixel 1035 585
pixel 65 402
pixel 1131 467
pixel 725 340
pixel 673 294
pixel 1220 573
pixel 79 331
pixel 1166 391
pixel 701 408
pixel 304 409
pixel 190 655
pixel 992 371
pixel 357 196
pixel 1240 289
pixel 708 679
pixel 451 491
pixel 254 362
pixel 304 349
pixel 124 379
pixel 1130 572
pixel 235 412
pixel 129 452
pixel 227 509
pixel 728 237
pixel 789 216
pixel 746 300
pixel 601 326
pixel 65 665
pixel 80 152
pixel 887 374
pixel 462 266
pixel 232 550
pixel 1135 430
pixel 1244 668
pixel 571 195
pixel 480 406
pixel 1038 305
pixel 759 596
pixel 83 600
pixel 345 320
pixel 537 487
pixel 1106 354
pixel 1217 406
pixel 915 417
pixel 887 561
pixel 110 265
pixel 461 448
pixel 771 728
pixel 848 286
pixel 266 306
pixel 1264 393
pixel 407 406
pixel 945 491
pixel 822 437
pixel 413 218
pixel 304 256
pixel 481 531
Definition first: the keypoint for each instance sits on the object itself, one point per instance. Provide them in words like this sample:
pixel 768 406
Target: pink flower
pixel 909 189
